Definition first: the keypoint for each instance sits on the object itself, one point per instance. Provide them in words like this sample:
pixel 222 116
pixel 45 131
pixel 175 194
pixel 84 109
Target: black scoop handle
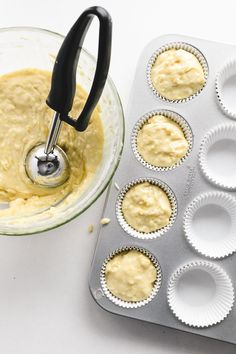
pixel 63 84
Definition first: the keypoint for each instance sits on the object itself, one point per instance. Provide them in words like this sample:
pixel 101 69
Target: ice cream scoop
pixel 47 164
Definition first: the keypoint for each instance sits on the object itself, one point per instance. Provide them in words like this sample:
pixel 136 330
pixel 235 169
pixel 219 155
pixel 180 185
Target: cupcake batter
pixel 24 122
pixel 161 142
pixel 130 276
pixel 146 207
pixel 177 74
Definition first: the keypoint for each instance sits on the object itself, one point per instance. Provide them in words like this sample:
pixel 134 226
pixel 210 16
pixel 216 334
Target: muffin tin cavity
pixel 210 224
pixel 146 203
pixel 217 156
pixel 168 149
pixel 200 294
pixel 156 283
pixel 225 88
pixel 200 60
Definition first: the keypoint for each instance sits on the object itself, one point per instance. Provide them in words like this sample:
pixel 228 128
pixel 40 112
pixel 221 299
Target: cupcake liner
pixel 131 304
pixel 210 312
pixel 177 119
pixel 225 131
pixel 129 229
pixel 213 248
pixel 227 71
pixel 176 45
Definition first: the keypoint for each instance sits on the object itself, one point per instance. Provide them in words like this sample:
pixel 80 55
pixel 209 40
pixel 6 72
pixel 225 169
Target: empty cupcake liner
pixel 215 309
pixel 177 119
pixel 176 45
pixel 212 248
pixel 129 229
pixel 227 71
pixel 131 304
pixel 225 131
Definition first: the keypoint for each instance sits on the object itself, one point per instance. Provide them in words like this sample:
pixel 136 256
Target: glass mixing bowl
pixel 24 47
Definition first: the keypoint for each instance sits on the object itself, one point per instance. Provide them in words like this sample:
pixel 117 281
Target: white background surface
pixel 45 305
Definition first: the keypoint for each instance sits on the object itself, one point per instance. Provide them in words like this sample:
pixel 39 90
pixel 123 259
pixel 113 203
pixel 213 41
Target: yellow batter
pixel 130 276
pixel 177 74
pixel 146 207
pixel 161 142
pixel 24 122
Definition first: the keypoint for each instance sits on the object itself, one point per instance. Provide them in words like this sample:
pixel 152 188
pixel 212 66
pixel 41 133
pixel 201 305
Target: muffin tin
pixel 191 184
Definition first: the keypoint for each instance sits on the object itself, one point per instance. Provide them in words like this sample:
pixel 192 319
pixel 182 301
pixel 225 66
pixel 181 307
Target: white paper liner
pixel 205 315
pixel 177 119
pixel 129 229
pixel 227 71
pixel 212 248
pixel 220 132
pixel 176 45
pixel 131 304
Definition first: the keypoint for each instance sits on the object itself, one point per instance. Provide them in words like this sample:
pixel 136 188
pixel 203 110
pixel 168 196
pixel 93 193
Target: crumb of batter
pixel 130 276
pixel 24 123
pixel 104 221
pixel 161 142
pixel 177 74
pixel 117 186
pixel 146 207
pixel 90 228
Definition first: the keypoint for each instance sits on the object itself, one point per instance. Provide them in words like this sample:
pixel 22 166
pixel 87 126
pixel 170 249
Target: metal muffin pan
pixel 186 181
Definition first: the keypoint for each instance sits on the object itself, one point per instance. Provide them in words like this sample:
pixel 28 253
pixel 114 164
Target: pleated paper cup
pixel 210 224
pixel 176 45
pixel 131 304
pixel 187 131
pixel 129 229
pixel 225 73
pixel 200 294
pixel 221 137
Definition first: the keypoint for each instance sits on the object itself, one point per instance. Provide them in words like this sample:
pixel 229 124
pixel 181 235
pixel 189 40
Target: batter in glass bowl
pixel 24 123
